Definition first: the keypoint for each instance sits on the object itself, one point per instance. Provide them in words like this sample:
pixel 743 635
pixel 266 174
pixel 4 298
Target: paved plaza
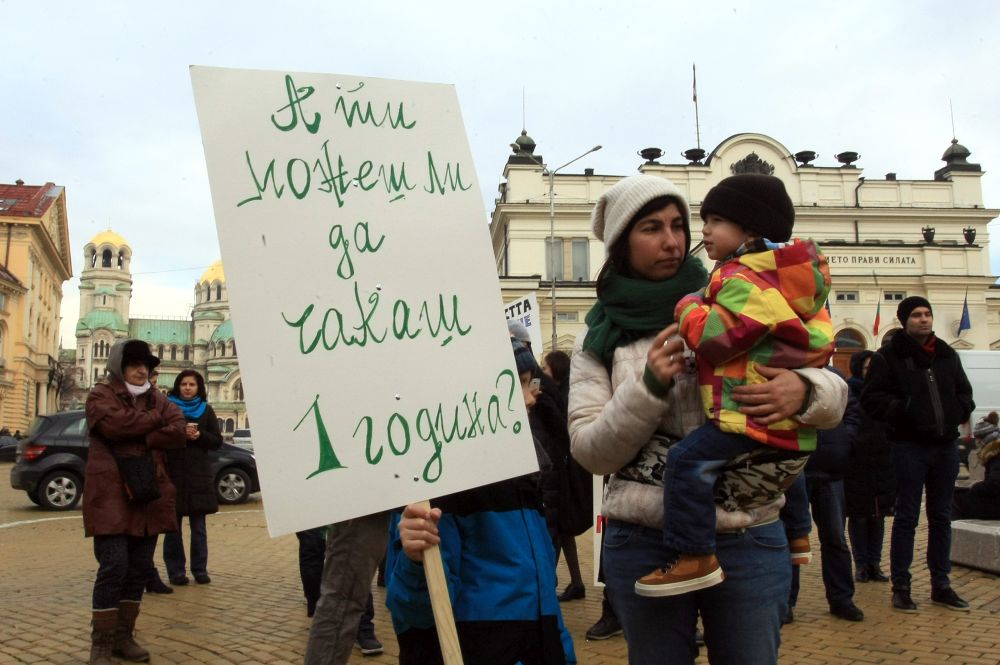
pixel 253 611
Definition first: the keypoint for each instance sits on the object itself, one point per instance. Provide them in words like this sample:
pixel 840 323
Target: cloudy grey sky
pixel 97 96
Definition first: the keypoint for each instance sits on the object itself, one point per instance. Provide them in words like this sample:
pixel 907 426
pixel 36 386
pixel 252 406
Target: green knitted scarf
pixel 630 309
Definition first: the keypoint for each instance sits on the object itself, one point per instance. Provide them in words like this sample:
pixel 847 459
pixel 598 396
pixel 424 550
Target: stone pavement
pixel 253 611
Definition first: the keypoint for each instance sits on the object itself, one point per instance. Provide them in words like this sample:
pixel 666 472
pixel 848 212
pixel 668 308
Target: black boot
pixel 875 573
pixel 901 601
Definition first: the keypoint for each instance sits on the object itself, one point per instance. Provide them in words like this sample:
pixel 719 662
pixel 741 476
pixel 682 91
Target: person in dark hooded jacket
pixel 126 419
pixel 869 483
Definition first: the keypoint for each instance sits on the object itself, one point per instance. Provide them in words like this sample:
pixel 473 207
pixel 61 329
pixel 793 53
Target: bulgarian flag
pixel 878 316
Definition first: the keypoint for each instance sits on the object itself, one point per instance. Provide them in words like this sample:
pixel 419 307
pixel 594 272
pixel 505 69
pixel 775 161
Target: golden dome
pixel 213 274
pixel 108 237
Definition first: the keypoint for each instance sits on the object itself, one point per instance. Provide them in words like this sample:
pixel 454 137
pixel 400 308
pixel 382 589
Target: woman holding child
pixel 633 395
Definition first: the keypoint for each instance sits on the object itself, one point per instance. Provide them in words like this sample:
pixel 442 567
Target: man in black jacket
pixel 917 383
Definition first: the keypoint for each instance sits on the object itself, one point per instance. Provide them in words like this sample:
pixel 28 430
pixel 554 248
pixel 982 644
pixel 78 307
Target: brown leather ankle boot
pixel 125 645
pixel 102 636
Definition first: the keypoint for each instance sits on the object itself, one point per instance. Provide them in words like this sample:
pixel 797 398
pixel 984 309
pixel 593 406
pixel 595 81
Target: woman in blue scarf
pixel 191 473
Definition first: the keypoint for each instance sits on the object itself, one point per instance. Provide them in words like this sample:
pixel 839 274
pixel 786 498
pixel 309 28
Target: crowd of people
pixel 705 400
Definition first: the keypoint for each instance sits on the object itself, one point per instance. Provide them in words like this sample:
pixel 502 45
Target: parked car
pixel 241 438
pixel 8 448
pixel 50 463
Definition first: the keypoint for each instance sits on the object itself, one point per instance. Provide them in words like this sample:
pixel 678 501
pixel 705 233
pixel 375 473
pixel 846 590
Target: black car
pixel 51 460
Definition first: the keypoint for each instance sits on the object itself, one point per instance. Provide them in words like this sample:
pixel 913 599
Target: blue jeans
pixel 867 534
pixel 692 467
pixel 919 467
pixel 795 512
pixel 173 547
pixel 828 506
pixel 741 616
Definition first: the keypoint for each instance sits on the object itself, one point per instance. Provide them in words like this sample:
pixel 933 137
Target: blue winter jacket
pixel 500 566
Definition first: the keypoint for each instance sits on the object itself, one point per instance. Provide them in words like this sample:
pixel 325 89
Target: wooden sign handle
pixel 444 619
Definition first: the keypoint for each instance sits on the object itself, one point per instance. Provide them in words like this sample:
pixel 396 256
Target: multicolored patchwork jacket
pixel 759 308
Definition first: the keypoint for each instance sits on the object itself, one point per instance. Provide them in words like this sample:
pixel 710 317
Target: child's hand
pixel 418 530
pixel 666 356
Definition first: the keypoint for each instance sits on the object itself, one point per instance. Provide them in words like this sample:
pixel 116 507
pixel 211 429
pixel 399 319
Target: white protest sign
pixel 375 361
pixel 525 311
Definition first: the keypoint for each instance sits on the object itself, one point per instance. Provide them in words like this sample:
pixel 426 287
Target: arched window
pixel 222 425
pixel 238 391
pixel 208 292
pixel 121 260
pixel 232 348
pixel 218 292
pixel 230 425
pixel 187 352
pixel 106 257
pixel 173 352
pixel 849 340
pixel 222 349
pixel 93 259
pixel 159 351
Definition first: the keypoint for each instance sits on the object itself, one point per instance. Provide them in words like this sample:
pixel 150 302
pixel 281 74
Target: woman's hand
pixel 418 530
pixel 781 397
pixel 666 355
pixel 192 432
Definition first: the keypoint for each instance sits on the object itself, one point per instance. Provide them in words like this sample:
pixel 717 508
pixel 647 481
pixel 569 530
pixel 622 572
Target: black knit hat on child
pixel 907 305
pixel 758 203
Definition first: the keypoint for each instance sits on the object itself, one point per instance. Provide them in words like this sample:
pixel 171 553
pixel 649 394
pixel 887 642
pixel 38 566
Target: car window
pixel 41 422
pixel 76 427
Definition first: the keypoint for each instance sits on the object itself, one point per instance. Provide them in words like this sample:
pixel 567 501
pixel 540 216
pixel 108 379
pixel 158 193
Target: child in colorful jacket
pixel 764 307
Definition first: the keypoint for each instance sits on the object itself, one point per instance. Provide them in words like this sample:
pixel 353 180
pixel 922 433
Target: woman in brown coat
pixel 126 420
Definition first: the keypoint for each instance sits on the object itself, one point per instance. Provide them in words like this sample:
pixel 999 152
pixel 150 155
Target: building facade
pixel 203 342
pixel 34 246
pixel 885 238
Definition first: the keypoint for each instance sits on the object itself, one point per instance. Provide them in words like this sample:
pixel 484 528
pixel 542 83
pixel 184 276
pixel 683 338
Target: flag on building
pixel 694 84
pixel 878 316
pixel 966 322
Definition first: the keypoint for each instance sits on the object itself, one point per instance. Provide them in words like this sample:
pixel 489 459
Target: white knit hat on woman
pixel 617 206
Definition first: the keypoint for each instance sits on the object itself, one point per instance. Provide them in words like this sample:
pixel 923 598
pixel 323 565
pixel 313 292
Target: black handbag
pixel 139 476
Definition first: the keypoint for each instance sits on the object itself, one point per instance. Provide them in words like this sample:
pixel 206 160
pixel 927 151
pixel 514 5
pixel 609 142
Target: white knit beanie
pixel 617 206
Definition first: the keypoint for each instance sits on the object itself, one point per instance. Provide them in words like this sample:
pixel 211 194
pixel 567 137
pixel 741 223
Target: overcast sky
pixel 97 96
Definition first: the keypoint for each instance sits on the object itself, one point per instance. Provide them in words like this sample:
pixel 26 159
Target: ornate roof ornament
pixel 751 164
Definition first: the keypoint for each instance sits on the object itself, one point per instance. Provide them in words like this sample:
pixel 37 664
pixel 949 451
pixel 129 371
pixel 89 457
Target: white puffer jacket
pixel 612 420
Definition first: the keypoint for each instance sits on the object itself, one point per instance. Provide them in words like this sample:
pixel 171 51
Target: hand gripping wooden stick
pixel 437 586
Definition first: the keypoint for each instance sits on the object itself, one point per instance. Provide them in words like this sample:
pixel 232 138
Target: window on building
pixel 218 292
pixel 187 353
pixel 159 351
pixel 849 339
pixel 893 296
pixel 121 260
pixel 553 258
pixel 106 258
pixel 238 391
pixel 230 425
pixel 173 352
pixel 95 375
pixel 847 296
pixel 567 316
pixel 3 301
pixel 581 260
pixel 208 292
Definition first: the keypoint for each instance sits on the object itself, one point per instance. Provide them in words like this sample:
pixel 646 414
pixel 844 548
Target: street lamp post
pixel 551 173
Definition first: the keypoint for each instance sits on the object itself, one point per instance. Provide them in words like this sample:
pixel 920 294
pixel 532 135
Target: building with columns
pixel 204 342
pixel 34 246
pixel 885 238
